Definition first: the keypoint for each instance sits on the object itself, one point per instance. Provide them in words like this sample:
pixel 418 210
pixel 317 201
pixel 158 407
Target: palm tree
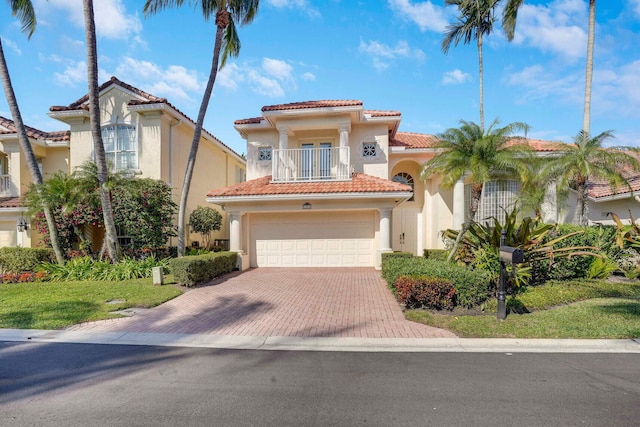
pixel 578 164
pixel 227 12
pixel 510 16
pixel 110 240
pixel 475 20
pixel 478 156
pixel 586 117
pixel 23 9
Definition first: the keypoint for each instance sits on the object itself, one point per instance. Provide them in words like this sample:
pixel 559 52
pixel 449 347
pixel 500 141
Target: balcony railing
pixel 5 186
pixel 311 164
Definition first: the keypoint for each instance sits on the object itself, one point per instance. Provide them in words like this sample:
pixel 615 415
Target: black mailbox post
pixel 508 255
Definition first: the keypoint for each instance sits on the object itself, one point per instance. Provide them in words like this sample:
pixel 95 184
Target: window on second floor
pixel 121 146
pixel 264 153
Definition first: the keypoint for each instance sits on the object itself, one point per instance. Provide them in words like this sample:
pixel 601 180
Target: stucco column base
pixel 378 265
pixel 243 262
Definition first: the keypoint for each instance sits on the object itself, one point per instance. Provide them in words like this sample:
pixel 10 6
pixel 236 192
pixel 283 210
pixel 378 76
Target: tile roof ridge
pixel 322 103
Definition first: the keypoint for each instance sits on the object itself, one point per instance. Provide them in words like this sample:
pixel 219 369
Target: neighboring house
pixel 332 184
pixel 52 153
pixel 143 134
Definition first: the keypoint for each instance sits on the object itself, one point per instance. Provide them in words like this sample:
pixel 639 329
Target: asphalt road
pixel 90 385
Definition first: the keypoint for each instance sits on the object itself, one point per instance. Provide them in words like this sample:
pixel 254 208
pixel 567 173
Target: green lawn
pixel 575 309
pixel 56 305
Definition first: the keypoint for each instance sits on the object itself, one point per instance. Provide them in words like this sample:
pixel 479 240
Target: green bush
pixel 423 291
pixel 20 260
pixel 569 267
pixel 191 270
pixel 86 268
pixel 472 286
pixel 436 254
pixel 389 255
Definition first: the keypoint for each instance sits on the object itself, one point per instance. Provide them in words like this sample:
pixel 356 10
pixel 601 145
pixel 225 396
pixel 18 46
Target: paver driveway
pixel 302 302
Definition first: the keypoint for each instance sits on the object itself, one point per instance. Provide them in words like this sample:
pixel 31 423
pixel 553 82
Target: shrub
pixel 472 286
pixel 204 220
pixel 191 270
pixel 439 254
pixel 389 255
pixel 601 268
pixel 19 260
pixel 85 268
pixel 423 291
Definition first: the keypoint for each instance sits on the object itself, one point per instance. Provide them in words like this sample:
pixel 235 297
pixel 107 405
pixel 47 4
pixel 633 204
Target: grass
pixel 573 309
pixel 56 305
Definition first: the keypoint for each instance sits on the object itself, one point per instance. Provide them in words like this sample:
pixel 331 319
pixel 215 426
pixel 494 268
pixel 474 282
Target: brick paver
pixel 301 302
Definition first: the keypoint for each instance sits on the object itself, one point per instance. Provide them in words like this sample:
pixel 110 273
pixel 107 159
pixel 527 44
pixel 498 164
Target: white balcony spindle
pixel 311 164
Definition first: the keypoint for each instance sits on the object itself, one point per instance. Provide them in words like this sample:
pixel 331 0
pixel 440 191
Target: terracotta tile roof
pixel 601 188
pixel 312 104
pixel 34 133
pixel 381 113
pixel 360 183
pixel 541 146
pixel 10 202
pixel 251 121
pixel 148 99
pixel 413 140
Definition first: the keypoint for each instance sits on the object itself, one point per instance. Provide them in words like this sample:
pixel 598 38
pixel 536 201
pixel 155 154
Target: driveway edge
pixel 425 345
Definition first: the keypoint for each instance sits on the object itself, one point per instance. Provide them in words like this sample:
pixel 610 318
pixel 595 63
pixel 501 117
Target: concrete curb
pixel 426 345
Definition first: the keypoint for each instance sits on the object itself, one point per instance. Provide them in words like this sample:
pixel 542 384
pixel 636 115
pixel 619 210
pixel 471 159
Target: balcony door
pixel 316 160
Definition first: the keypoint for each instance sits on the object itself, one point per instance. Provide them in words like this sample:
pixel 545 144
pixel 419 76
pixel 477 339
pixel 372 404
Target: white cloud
pixel 296 4
pixel 455 77
pixel 635 6
pixel 425 14
pixel 72 74
pixel 382 55
pixel 11 45
pixel 111 17
pixel 272 79
pixel 559 27
pixel 173 82
pixel 535 83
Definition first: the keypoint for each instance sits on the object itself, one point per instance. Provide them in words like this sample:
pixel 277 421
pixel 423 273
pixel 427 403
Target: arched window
pixel 121 146
pixel 405 178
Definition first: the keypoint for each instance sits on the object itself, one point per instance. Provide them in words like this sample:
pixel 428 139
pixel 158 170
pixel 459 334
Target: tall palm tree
pixel 478 156
pixel 586 117
pixel 23 9
pixel 578 164
pixel 510 17
pixel 475 20
pixel 226 12
pixel 110 240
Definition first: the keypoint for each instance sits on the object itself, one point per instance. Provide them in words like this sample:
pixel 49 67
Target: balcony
pixel 313 163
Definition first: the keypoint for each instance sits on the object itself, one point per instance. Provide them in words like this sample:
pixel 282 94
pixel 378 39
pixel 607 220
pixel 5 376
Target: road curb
pixel 425 345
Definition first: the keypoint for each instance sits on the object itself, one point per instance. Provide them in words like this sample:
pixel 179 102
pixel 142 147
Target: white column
pixel 384 236
pixel 458 205
pixel 344 130
pixel 284 138
pixel 235 232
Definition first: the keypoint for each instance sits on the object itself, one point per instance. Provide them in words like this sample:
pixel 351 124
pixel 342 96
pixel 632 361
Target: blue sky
pixel 383 52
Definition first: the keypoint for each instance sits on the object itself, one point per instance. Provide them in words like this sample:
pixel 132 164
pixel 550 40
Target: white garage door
pixel 313 239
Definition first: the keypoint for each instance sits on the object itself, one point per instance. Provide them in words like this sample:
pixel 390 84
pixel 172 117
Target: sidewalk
pixel 425 345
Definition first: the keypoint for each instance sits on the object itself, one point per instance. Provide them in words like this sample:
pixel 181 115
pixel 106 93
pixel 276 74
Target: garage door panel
pixel 320 239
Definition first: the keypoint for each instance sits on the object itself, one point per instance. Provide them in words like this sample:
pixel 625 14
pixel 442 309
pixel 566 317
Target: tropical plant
pixel 227 13
pixel 110 239
pixel 477 156
pixel 586 118
pixel 23 9
pixel 204 220
pixel 577 165
pixel 510 17
pixel 475 20
pixel 627 235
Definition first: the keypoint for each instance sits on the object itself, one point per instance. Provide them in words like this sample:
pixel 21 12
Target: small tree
pixel 204 220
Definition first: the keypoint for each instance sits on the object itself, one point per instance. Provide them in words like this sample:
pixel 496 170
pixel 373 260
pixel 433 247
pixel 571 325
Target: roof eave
pixel 309 196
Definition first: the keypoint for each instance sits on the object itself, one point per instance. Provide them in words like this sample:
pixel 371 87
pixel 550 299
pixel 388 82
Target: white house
pixel 332 184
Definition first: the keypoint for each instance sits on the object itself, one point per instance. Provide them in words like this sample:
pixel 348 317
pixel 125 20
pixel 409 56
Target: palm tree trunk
pixel 111 240
pixel 222 19
pixel 581 215
pixel 476 195
pixel 27 152
pixel 481 77
pixel 586 118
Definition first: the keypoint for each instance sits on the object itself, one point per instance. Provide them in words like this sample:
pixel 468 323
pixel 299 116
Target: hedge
pixel 20 260
pixel 191 270
pixel 423 291
pixel 472 286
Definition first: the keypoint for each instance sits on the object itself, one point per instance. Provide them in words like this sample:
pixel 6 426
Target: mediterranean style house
pixel 143 134
pixel 330 183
